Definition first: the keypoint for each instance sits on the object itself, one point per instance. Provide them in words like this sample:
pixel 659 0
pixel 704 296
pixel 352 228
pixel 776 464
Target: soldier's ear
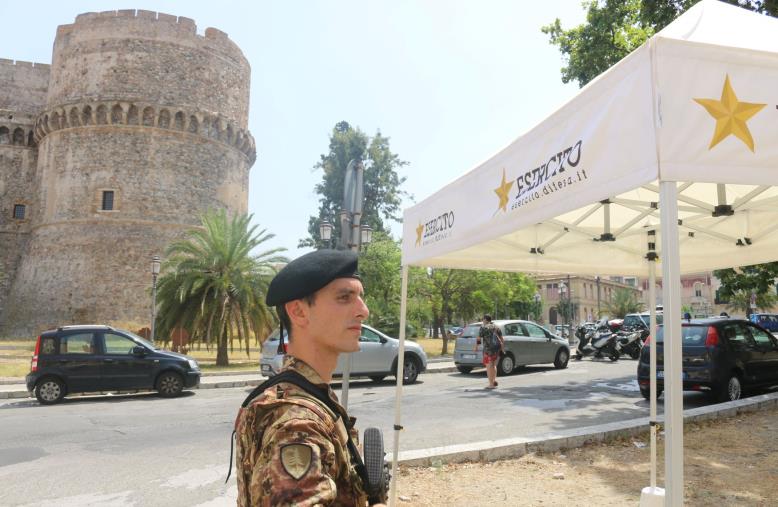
pixel 298 312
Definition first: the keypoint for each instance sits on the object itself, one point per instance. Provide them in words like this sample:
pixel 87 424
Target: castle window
pixel 19 210
pixel 107 200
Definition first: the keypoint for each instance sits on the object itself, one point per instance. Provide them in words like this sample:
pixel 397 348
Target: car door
pixel 767 362
pixel 79 361
pixel 538 342
pixel 375 354
pixel 743 349
pixel 516 342
pixel 121 368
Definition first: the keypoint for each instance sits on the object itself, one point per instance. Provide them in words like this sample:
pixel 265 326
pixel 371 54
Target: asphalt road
pixel 145 450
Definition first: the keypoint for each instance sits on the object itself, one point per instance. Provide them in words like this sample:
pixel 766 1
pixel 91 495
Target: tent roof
pixel 578 193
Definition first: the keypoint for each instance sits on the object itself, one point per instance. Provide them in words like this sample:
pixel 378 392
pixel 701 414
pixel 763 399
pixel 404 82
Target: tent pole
pixel 652 353
pixel 399 391
pixel 671 298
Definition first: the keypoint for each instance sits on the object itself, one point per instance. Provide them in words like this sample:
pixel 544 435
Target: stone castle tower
pixel 138 126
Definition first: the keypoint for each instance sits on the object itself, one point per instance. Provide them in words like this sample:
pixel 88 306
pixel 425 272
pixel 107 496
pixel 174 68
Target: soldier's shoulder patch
pixel 296 459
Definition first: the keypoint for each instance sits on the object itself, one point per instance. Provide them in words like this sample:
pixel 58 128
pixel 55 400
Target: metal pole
pixel 352 203
pixel 399 389
pixel 671 296
pixel 652 350
pixel 153 304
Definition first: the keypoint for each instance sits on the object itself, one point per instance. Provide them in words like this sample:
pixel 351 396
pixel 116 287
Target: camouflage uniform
pixel 291 451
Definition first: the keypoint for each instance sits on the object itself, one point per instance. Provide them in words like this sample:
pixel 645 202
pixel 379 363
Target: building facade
pixel 137 127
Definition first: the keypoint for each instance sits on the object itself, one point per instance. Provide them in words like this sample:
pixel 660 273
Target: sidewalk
pixel 14 387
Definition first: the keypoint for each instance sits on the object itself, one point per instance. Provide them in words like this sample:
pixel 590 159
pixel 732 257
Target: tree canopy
pixel 383 194
pixel 214 288
pixel 614 28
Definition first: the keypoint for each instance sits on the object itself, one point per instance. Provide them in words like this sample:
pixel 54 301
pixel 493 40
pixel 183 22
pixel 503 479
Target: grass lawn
pixel 14 368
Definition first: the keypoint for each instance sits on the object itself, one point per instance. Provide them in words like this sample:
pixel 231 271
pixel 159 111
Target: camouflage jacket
pixel 292 450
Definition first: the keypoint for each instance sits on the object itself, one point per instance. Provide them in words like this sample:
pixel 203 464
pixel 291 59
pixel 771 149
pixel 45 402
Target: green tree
pixel 379 269
pixel 214 288
pixel 567 310
pixel 614 28
pixel 737 285
pixel 624 301
pixel 382 193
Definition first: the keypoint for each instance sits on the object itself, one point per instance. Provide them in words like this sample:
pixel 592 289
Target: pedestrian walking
pixel 490 337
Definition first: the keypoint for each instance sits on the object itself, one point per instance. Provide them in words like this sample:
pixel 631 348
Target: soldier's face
pixel 335 317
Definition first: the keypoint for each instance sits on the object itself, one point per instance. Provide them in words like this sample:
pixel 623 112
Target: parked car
pixel 768 321
pixel 525 343
pixel 640 320
pixel 721 356
pixel 376 359
pixel 80 359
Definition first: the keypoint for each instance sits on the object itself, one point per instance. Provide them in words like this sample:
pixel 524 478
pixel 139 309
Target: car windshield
pixel 692 335
pixel 137 338
pixel 471 331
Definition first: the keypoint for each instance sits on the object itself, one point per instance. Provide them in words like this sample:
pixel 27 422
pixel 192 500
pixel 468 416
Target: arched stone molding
pixel 17 135
pixel 116 113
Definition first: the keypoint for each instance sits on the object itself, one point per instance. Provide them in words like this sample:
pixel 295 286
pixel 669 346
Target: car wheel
pixel 732 389
pixel 562 357
pixel 506 365
pixel 647 393
pixel 49 390
pixel 464 369
pixel 377 378
pixel 410 370
pixel 170 384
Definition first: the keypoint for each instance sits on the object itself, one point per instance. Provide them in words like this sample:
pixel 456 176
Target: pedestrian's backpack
pixel 247 416
pixel 492 342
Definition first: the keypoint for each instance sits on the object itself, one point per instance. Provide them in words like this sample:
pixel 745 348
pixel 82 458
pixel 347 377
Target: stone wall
pixel 140 105
pixel 22 95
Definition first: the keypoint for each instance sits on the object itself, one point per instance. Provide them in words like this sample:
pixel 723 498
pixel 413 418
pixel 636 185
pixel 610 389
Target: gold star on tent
pixel 502 192
pixel 419 230
pixel 731 116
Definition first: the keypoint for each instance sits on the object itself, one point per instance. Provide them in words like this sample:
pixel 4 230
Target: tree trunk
pixel 221 351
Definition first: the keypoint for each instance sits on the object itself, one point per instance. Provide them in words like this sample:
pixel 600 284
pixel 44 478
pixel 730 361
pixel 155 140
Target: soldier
pixel 293 448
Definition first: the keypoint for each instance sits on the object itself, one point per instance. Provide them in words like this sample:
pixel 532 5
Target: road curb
pixel 23 393
pixel 492 450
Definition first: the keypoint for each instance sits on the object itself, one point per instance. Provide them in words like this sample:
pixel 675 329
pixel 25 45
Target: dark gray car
pixel 525 343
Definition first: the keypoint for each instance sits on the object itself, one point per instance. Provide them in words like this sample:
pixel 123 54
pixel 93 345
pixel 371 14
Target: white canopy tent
pixel 680 137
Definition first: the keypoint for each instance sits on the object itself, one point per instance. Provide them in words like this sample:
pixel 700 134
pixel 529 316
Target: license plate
pixel 661 374
pixel 468 356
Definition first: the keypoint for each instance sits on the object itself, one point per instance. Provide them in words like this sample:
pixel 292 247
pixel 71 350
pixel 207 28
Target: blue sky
pixel 449 81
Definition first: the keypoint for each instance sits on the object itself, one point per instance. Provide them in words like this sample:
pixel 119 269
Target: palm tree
pixel 740 301
pixel 214 288
pixel 624 301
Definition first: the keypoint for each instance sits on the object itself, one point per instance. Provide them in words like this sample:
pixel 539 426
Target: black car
pixel 722 356
pixel 79 359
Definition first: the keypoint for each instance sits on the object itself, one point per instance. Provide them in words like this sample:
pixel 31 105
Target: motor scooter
pixel 630 342
pixel 597 341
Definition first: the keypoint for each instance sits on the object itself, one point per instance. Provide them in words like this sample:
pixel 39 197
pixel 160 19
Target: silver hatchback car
pixel 376 359
pixel 525 343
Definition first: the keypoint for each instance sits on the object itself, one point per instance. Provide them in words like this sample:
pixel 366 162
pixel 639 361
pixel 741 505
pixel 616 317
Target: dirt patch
pixel 726 462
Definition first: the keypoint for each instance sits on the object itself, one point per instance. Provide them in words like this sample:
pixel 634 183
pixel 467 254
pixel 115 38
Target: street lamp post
pixel 325 231
pixel 565 306
pixel 154 273
pixel 353 235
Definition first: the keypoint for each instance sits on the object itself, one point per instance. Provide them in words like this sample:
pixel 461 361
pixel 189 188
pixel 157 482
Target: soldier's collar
pixel 303 368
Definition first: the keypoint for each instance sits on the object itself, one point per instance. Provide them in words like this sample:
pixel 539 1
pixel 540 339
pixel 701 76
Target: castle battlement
pixel 155 25
pixel 21 63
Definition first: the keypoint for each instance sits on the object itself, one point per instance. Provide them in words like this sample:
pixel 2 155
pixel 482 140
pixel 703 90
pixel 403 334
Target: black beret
pixel 309 273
